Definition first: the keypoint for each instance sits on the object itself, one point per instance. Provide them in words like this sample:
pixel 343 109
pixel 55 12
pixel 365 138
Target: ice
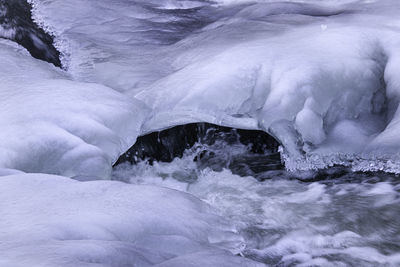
pixel 299 89
pixel 52 124
pixel 123 45
pixel 109 224
pixel 310 124
pixel 321 76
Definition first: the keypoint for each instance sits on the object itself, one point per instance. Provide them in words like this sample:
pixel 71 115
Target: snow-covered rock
pixel 49 220
pixel 51 124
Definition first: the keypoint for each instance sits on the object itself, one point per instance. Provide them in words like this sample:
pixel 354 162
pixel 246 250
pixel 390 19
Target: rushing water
pixel 331 218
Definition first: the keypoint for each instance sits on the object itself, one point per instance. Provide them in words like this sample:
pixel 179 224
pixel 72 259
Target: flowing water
pixel 334 217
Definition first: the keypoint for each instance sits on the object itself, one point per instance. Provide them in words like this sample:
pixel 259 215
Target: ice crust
pixel 104 223
pixel 321 76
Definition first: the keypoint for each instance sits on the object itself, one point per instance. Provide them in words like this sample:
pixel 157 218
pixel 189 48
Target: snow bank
pixel 52 124
pixel 321 76
pixel 109 224
pixel 324 83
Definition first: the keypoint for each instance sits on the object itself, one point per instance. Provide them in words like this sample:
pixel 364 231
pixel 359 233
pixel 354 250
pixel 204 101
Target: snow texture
pixel 104 223
pixel 321 76
pixel 51 124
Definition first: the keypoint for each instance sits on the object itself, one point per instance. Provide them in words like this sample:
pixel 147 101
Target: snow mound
pixel 52 124
pixel 109 224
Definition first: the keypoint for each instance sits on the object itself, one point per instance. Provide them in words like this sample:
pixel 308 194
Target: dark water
pixel 16 18
pixel 332 217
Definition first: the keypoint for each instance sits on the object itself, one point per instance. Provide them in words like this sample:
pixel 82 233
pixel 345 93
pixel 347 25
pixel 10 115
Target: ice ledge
pixel 363 163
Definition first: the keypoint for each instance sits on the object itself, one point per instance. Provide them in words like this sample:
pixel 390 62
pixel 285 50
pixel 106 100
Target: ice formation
pixel 318 75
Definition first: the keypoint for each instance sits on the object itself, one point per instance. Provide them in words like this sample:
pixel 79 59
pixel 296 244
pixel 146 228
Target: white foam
pixel 285 222
pixel 7 33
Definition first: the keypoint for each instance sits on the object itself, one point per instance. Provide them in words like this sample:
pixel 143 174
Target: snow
pixel 52 124
pixel 321 76
pixel 316 81
pixel 118 44
pixel 106 223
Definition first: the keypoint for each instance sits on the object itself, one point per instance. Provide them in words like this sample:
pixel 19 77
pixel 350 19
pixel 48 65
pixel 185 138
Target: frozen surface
pixel 103 223
pixel 52 124
pixel 124 45
pixel 321 76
